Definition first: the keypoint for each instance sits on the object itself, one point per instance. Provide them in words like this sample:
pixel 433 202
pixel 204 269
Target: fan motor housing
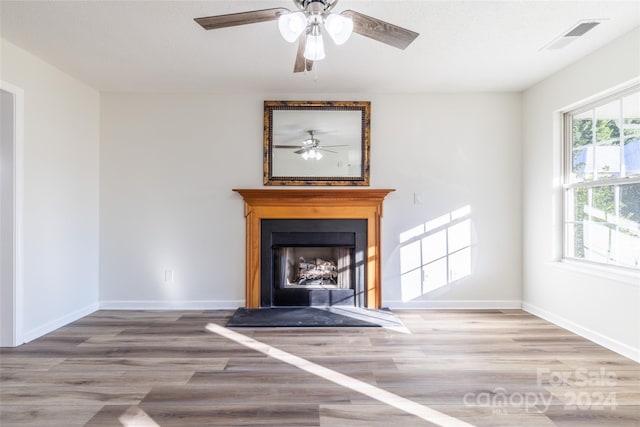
pixel 315 6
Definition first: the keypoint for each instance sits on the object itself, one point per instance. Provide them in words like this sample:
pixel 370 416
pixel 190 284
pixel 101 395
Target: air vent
pixel 581 29
pixel 578 30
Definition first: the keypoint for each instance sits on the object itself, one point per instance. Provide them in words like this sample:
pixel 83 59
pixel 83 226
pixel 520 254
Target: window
pixel 602 181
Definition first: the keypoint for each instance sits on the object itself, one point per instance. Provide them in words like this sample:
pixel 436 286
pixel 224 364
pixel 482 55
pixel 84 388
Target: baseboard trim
pixel 455 305
pixel 609 343
pixel 58 323
pixel 171 305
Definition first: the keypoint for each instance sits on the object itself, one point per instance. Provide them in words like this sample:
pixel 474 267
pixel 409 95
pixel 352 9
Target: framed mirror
pixel 316 142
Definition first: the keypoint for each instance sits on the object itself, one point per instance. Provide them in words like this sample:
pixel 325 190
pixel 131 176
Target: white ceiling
pixel 156 45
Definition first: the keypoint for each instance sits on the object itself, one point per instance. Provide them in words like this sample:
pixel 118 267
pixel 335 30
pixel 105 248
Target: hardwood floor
pixel 478 368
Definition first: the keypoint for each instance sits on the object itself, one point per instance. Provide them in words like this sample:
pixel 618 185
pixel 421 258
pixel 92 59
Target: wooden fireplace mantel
pixel 313 204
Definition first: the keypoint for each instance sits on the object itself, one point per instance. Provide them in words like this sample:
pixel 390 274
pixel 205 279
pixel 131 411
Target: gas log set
pixel 316 271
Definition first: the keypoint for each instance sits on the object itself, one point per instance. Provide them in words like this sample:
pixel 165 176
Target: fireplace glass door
pixel 312 262
pixel 313 275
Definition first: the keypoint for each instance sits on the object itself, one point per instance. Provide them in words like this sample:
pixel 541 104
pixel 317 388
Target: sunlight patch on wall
pixel 435 253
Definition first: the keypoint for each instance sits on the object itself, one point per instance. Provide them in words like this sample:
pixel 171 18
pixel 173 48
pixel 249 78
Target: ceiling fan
pixel 310 18
pixel 310 148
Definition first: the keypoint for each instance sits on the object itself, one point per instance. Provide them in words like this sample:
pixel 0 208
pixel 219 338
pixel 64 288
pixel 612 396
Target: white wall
pixel 601 307
pixel 169 162
pixel 61 148
pixel 452 151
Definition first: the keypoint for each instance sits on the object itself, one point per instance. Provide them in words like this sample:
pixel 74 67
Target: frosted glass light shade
pixel 291 25
pixel 318 155
pixel 339 28
pixel 314 48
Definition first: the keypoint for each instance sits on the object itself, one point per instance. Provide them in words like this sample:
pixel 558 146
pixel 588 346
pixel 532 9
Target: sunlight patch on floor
pixel 384 318
pixel 136 417
pixel 391 399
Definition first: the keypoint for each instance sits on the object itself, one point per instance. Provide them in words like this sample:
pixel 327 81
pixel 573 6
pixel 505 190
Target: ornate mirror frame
pixel 359 116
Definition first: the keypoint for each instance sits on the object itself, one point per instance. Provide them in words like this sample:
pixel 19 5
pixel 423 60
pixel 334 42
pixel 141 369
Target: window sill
pixel 622 276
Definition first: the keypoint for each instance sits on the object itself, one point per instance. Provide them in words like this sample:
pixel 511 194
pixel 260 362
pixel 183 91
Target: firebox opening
pixel 313 267
pixel 313 262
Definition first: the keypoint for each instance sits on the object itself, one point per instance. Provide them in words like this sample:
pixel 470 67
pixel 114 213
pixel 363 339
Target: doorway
pixel 11 140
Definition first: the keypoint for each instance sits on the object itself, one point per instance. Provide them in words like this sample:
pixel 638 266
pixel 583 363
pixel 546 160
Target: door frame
pixel 18 193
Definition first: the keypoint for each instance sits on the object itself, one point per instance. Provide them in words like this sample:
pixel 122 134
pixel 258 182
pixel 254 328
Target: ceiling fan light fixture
pixel 339 28
pixel 305 155
pixel 291 25
pixel 314 47
pixel 318 155
pixel 307 21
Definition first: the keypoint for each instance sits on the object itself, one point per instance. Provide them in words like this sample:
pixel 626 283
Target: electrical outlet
pixel 168 276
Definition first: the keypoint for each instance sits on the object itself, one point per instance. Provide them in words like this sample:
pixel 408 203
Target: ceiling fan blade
pixel 381 31
pixel 342 145
pixel 328 151
pixel 302 62
pixel 302 150
pixel 286 146
pixel 242 18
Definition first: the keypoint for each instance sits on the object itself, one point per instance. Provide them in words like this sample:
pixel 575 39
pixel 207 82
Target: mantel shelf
pixel 310 197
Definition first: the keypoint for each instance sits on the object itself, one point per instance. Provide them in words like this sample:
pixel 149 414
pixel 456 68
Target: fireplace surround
pixel 305 204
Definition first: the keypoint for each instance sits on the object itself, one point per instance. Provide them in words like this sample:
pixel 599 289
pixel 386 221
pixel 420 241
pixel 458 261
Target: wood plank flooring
pixel 483 368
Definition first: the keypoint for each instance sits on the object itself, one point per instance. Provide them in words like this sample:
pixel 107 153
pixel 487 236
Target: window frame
pixel 569 185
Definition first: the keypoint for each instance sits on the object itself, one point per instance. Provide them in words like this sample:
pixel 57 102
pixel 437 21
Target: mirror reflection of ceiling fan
pixel 307 23
pixel 310 148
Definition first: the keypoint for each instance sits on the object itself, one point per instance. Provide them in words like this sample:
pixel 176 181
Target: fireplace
pixel 312 262
pixel 314 204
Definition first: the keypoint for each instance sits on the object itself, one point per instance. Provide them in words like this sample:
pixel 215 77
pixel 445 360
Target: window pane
pixel 630 205
pixel 575 240
pixel 582 146
pixel 577 212
pixel 608 140
pixel 597 241
pixel 603 205
pixel 592 224
pixel 579 203
pixel 602 194
pixel 595 231
pixel 631 115
pixel 628 235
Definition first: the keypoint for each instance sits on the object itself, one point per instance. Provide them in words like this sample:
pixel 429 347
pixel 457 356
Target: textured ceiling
pixel 156 45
